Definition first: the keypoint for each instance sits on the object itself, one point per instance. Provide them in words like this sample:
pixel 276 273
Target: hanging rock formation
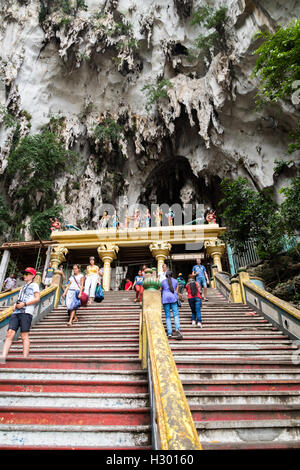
pixel 86 66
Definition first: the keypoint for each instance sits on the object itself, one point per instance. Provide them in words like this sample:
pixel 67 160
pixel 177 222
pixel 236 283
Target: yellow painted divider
pixel 5 294
pixel 176 427
pixel 9 310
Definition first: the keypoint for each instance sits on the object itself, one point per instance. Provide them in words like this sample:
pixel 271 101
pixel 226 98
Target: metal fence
pixel 249 255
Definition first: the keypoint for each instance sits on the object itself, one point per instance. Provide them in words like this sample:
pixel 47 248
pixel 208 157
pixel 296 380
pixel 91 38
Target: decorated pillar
pixel 243 277
pixel 215 249
pixel 58 256
pixel 214 270
pixel 38 278
pixel 160 251
pixel 107 253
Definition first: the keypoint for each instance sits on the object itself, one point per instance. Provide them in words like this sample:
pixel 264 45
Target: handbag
pixel 99 296
pixel 83 298
pixel 75 304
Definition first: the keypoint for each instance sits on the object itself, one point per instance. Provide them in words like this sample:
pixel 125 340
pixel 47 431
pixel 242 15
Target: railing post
pixel 38 278
pixel 236 294
pixel 243 277
pixel 214 270
pixel 175 424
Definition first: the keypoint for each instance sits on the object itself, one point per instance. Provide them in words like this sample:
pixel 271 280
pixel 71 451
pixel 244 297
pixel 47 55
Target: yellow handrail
pixel 8 311
pixel 176 427
pixel 5 294
pixel 222 281
pixel 295 312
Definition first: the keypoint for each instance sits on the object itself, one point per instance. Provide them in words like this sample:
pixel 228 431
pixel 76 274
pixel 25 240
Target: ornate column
pixel 58 256
pixel 107 252
pixel 215 249
pixel 38 278
pixel 160 251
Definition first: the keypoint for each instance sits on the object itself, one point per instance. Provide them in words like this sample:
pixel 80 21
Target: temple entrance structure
pixel 122 248
pixel 122 251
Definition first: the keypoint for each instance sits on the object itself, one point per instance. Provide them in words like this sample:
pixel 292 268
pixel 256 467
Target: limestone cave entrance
pixel 173 182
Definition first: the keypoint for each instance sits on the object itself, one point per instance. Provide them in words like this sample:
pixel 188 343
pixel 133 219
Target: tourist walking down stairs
pixel 138 286
pixel 73 293
pixel 92 279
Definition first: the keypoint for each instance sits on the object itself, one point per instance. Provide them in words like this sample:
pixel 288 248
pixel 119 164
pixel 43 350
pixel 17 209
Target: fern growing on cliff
pixel 69 7
pixel 210 19
pixel 156 91
pixel 108 131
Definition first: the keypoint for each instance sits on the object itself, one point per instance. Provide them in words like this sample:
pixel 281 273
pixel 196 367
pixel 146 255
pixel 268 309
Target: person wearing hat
pixel 23 310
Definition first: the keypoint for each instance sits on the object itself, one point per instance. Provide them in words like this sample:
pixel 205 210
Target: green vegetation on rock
pixel 278 69
pixel 108 131
pixel 156 91
pixel 251 215
pixel 33 165
pixel 40 223
pixel 68 7
pixel 214 20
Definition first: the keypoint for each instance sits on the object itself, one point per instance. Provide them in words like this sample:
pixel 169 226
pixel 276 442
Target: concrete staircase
pixel 239 378
pixel 82 386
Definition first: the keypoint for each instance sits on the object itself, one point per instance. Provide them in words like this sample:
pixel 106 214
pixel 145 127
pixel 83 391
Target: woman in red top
pixel 194 298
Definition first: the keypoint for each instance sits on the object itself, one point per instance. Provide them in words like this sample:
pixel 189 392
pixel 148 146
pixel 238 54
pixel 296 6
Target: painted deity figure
pixel 158 217
pixel 136 219
pixel 211 217
pixel 148 218
pixel 104 220
pixel 127 219
pixel 115 220
pixel 55 224
pixel 170 216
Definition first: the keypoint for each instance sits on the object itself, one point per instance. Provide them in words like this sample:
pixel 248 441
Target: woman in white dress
pixel 92 279
pixel 75 285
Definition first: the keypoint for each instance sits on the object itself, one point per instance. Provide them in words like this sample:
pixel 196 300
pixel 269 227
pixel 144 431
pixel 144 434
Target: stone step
pixel 73 386
pixel 81 400
pixel 247 397
pixel 74 436
pixel 233 362
pixel 70 374
pixel 254 374
pixel 241 412
pixel 251 445
pixel 241 385
pixel 74 363
pixel 72 416
pixel 188 342
pixel 243 431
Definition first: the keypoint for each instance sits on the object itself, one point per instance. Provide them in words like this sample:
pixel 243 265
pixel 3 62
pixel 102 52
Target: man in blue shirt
pixel 201 276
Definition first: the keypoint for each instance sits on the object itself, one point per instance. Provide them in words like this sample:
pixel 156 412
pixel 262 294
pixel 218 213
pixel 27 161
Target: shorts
pixel 20 320
pixel 201 281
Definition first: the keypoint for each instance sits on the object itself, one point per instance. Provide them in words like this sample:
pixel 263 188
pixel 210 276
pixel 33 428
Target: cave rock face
pixel 91 65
